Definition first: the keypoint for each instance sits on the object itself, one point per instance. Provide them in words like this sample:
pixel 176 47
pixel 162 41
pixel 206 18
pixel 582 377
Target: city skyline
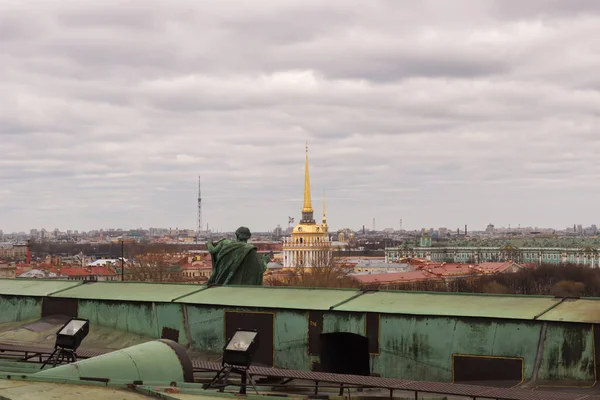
pixel 583 229
pixel 438 114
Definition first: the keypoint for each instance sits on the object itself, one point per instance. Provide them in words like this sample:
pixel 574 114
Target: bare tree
pixel 154 267
pixel 325 272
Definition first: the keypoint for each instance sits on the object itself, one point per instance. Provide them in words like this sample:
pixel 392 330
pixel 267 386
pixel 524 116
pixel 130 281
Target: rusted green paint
pixel 568 353
pixel 171 316
pixel 582 310
pixel 418 332
pixel 207 332
pixel 33 287
pixel 19 308
pixel 344 322
pixel 131 317
pixel 207 328
pixel 142 318
pixel 421 348
pixel 291 340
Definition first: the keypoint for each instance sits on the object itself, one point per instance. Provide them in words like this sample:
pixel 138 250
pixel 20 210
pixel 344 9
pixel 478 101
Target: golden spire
pixel 307 202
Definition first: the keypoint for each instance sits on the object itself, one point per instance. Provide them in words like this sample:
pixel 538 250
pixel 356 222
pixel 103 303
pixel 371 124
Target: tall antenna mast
pixel 199 210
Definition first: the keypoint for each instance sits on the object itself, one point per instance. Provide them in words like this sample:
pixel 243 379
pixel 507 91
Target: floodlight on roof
pixel 72 333
pixel 237 357
pixel 241 348
pixel 68 339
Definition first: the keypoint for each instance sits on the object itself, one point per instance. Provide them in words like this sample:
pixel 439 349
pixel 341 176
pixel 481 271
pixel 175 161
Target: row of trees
pixel 332 275
pixel 546 279
pixel 109 250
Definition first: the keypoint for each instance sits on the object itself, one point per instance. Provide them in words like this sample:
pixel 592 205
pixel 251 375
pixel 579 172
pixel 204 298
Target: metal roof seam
pixel 190 293
pixel 62 290
pixel 347 300
pixel 549 308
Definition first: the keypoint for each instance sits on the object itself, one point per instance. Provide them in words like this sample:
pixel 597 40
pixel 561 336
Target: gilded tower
pixel 309 245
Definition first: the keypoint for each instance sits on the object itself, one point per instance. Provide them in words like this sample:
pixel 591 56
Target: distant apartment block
pixel 13 251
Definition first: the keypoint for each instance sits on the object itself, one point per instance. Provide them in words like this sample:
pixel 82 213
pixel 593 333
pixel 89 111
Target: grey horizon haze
pixel 442 113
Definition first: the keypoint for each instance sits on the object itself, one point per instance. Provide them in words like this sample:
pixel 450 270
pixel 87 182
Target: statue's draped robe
pixel 235 263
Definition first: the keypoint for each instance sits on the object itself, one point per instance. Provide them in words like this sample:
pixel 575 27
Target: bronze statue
pixel 235 262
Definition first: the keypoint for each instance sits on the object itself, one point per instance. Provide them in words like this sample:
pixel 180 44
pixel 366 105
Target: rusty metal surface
pixel 483 392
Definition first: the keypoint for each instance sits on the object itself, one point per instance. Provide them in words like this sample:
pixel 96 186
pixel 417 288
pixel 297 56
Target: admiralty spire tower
pixel 309 244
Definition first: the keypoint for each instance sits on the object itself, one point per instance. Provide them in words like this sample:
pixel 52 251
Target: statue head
pixel 242 234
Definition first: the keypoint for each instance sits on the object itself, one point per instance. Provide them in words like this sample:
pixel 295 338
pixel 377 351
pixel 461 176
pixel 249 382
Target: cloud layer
pixel 439 113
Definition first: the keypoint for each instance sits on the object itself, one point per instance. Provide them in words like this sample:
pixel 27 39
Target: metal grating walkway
pixel 473 391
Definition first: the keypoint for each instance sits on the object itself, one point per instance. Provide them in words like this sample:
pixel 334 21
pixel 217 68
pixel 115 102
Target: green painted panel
pixel 415 348
pixel 269 297
pixel 422 348
pixel 129 291
pixel 130 317
pixel 518 340
pixel 344 322
pixel 568 353
pixel 463 305
pixel 133 363
pixel 207 328
pixel 17 308
pixel 171 316
pixel 33 287
pixel 582 310
pixel 291 339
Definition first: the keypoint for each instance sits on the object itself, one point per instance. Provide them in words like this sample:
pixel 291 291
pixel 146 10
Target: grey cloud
pixel 436 113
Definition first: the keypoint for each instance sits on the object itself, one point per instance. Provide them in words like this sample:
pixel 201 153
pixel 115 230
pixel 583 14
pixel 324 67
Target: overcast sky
pixel 442 113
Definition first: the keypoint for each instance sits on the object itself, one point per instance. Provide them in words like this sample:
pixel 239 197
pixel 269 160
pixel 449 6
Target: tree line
pixel 569 280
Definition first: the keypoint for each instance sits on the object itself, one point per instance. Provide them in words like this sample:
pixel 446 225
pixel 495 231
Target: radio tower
pixel 199 211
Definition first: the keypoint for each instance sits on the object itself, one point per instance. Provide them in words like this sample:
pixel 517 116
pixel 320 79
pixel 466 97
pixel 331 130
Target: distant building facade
pixel 589 256
pixel 7 270
pixel 309 244
pixel 13 251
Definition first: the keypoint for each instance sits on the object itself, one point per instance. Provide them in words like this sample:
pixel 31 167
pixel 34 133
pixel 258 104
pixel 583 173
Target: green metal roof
pixel 459 305
pixel 33 287
pixel 587 311
pixel 135 363
pixel 270 297
pixel 126 291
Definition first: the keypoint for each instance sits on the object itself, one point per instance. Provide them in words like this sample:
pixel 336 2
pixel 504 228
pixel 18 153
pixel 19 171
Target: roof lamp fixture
pixel 241 348
pixel 237 357
pixel 72 333
pixel 68 339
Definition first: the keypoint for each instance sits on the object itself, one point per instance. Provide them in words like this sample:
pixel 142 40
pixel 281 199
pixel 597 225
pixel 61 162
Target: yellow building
pixel 309 245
